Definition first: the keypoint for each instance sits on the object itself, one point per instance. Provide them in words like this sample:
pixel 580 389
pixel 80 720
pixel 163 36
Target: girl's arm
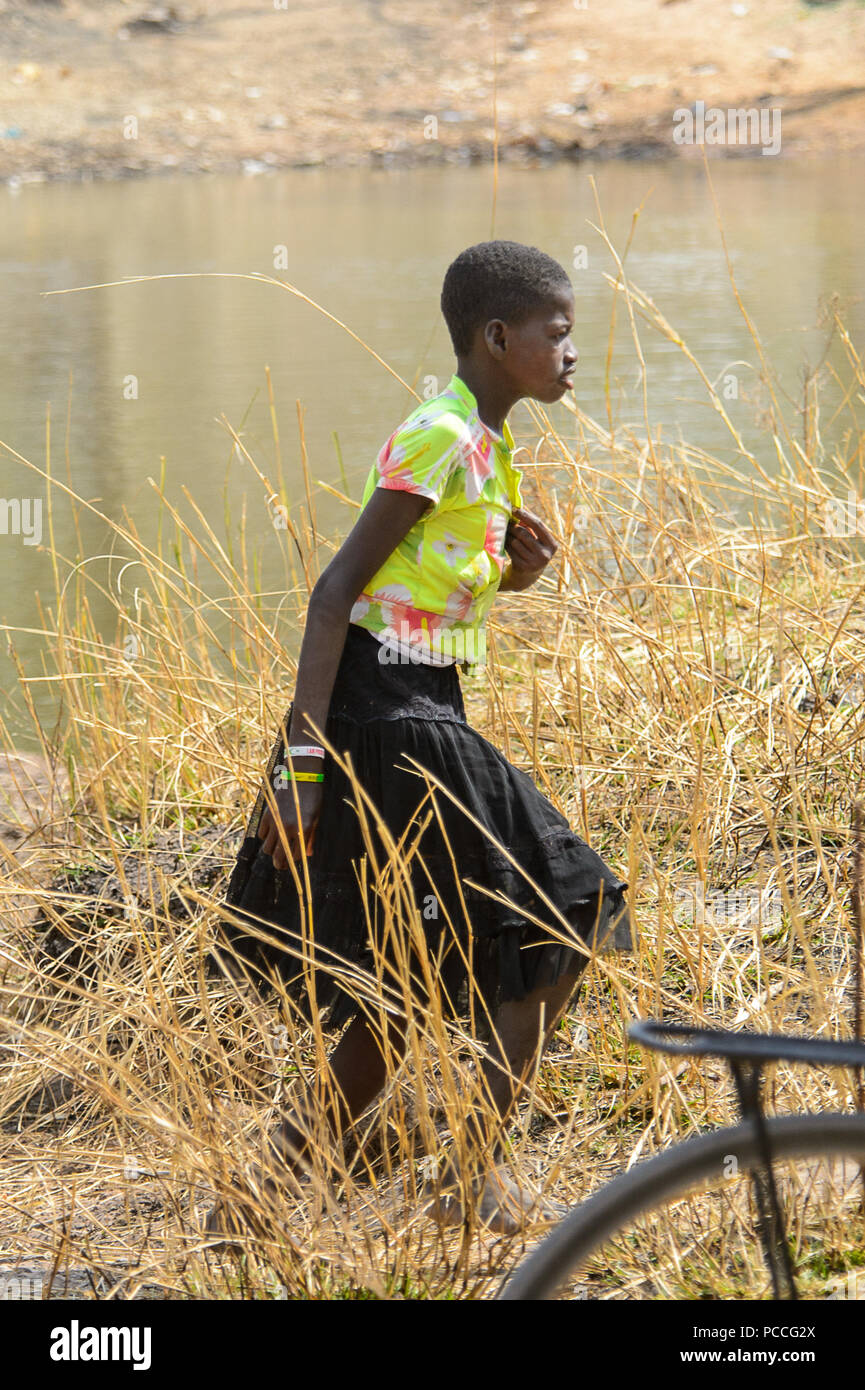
pixel 385 521
pixel 387 517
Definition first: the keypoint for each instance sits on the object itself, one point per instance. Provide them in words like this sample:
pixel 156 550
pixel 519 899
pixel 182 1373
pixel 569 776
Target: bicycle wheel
pixel 684 1225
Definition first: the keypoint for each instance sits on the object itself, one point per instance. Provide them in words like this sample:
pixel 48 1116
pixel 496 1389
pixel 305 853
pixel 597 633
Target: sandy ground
pixel 117 88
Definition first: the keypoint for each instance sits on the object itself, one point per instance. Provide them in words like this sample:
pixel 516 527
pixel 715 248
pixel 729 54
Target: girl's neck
pixel 493 404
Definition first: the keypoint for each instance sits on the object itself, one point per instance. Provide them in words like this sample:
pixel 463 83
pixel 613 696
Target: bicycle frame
pixel 746 1054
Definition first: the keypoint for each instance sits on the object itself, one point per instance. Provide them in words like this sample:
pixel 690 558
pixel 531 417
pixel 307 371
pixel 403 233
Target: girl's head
pixel 509 309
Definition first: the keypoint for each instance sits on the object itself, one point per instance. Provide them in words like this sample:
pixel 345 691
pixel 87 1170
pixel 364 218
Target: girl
pixel 441 530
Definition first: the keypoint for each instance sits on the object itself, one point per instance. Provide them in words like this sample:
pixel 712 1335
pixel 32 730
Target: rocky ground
pixel 117 88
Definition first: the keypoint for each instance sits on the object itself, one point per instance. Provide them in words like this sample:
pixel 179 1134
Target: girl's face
pixel 538 356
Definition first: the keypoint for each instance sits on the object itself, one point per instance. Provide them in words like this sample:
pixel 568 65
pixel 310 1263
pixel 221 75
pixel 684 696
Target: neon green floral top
pixel 435 590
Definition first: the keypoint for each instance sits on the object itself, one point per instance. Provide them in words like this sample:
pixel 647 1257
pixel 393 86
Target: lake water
pixel 145 370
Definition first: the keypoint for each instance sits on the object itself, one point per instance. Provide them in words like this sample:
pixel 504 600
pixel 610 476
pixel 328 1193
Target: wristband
pixel 283 776
pixel 312 751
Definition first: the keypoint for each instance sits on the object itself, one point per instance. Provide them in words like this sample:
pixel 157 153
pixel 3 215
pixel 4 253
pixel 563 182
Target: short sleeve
pixel 421 455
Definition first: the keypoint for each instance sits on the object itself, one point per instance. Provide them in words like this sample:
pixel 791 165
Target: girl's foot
pixel 224 1227
pixel 499 1204
pixel 236 1217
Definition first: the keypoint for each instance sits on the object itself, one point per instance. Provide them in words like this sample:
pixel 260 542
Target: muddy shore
pixel 124 89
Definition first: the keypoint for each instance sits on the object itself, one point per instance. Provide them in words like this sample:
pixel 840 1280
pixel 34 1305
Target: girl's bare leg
pixel 358 1071
pixel 523 1029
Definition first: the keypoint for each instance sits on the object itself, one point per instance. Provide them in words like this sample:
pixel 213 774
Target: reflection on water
pixel 134 373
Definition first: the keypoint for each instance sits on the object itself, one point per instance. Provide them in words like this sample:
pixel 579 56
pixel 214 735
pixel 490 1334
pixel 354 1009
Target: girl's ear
pixel 494 334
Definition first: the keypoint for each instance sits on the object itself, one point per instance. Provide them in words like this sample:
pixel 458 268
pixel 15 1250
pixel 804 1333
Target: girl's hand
pixel 531 546
pixel 300 834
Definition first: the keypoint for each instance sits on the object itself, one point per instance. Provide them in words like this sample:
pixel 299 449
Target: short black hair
pixel 497 280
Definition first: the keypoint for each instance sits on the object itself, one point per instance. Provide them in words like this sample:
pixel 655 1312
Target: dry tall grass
pixel 686 685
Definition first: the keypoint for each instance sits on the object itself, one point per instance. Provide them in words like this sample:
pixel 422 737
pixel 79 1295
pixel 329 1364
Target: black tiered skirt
pixel 483 914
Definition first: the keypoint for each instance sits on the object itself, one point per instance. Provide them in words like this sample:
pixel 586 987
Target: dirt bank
pixel 117 88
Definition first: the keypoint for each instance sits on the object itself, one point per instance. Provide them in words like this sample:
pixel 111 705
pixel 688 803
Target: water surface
pixel 146 370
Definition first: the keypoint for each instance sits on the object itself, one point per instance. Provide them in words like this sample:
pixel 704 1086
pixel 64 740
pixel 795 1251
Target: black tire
pixel 670 1175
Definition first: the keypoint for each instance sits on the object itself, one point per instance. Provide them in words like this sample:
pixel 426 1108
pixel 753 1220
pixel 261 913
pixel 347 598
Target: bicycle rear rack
pixel 747 1054
pixel 747 1047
